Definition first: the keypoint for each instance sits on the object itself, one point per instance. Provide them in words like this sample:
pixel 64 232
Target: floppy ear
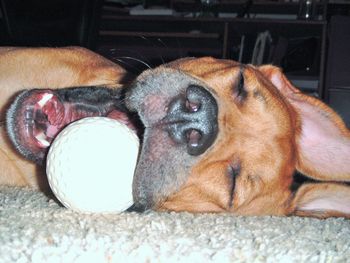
pixel 323 141
pixel 322 200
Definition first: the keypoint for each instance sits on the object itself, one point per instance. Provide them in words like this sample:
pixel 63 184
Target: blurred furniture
pixel 230 29
pixel 51 22
pixel 337 91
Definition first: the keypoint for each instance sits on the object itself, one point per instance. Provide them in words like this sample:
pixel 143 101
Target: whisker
pixel 135 59
pixel 161 57
pixel 132 52
pixel 144 38
pixel 180 49
pixel 129 65
pixel 153 44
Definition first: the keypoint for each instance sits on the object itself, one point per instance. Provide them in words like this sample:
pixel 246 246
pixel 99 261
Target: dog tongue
pixel 44 138
pixel 52 131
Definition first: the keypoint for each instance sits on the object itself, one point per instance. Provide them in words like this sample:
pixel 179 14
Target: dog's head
pixel 222 136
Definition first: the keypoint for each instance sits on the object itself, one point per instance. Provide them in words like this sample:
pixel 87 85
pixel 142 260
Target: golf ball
pixel 91 163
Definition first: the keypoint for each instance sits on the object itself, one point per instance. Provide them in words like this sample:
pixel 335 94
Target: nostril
pixel 193 137
pixel 192 106
pixel 192 120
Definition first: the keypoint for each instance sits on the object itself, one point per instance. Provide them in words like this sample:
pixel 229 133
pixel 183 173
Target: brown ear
pixel 323 141
pixel 322 200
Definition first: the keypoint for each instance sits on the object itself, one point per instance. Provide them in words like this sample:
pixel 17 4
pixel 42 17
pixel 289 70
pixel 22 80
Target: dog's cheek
pixel 163 167
pixel 190 200
pixel 207 189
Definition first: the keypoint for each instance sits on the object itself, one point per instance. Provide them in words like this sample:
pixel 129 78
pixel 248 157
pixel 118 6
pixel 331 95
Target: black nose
pixel 192 119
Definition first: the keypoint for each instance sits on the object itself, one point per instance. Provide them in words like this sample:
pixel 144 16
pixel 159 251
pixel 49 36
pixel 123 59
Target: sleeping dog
pixel 218 136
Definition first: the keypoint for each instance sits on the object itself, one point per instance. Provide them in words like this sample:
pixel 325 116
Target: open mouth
pixel 50 115
pixel 44 119
pixel 38 116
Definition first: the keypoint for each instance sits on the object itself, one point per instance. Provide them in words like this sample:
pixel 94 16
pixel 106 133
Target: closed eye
pixel 240 90
pixel 232 173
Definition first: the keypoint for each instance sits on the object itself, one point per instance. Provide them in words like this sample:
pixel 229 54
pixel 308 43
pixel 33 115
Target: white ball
pixel 91 163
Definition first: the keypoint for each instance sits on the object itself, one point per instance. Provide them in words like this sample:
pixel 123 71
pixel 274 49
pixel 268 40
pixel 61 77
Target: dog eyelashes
pixel 240 91
pixel 232 173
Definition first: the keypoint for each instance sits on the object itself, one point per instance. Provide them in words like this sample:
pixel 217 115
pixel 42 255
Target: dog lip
pixel 137 207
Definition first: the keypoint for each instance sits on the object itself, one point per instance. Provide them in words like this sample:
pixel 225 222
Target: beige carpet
pixel 34 228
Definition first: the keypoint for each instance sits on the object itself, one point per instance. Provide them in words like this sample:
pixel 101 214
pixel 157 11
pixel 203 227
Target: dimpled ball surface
pixel 90 165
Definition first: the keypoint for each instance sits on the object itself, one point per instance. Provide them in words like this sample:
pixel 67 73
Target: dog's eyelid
pixel 241 77
pixel 240 89
pixel 233 171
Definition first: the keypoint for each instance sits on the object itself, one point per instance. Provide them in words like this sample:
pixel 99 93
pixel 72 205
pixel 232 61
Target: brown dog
pixel 219 136
pixel 29 68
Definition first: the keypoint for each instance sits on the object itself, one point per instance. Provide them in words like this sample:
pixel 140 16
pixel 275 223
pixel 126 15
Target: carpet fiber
pixel 34 228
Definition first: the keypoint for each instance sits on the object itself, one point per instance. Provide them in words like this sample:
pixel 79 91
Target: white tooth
pixel 45 99
pixel 41 137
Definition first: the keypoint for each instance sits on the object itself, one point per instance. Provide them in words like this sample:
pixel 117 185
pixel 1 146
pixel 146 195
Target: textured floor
pixel 35 229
